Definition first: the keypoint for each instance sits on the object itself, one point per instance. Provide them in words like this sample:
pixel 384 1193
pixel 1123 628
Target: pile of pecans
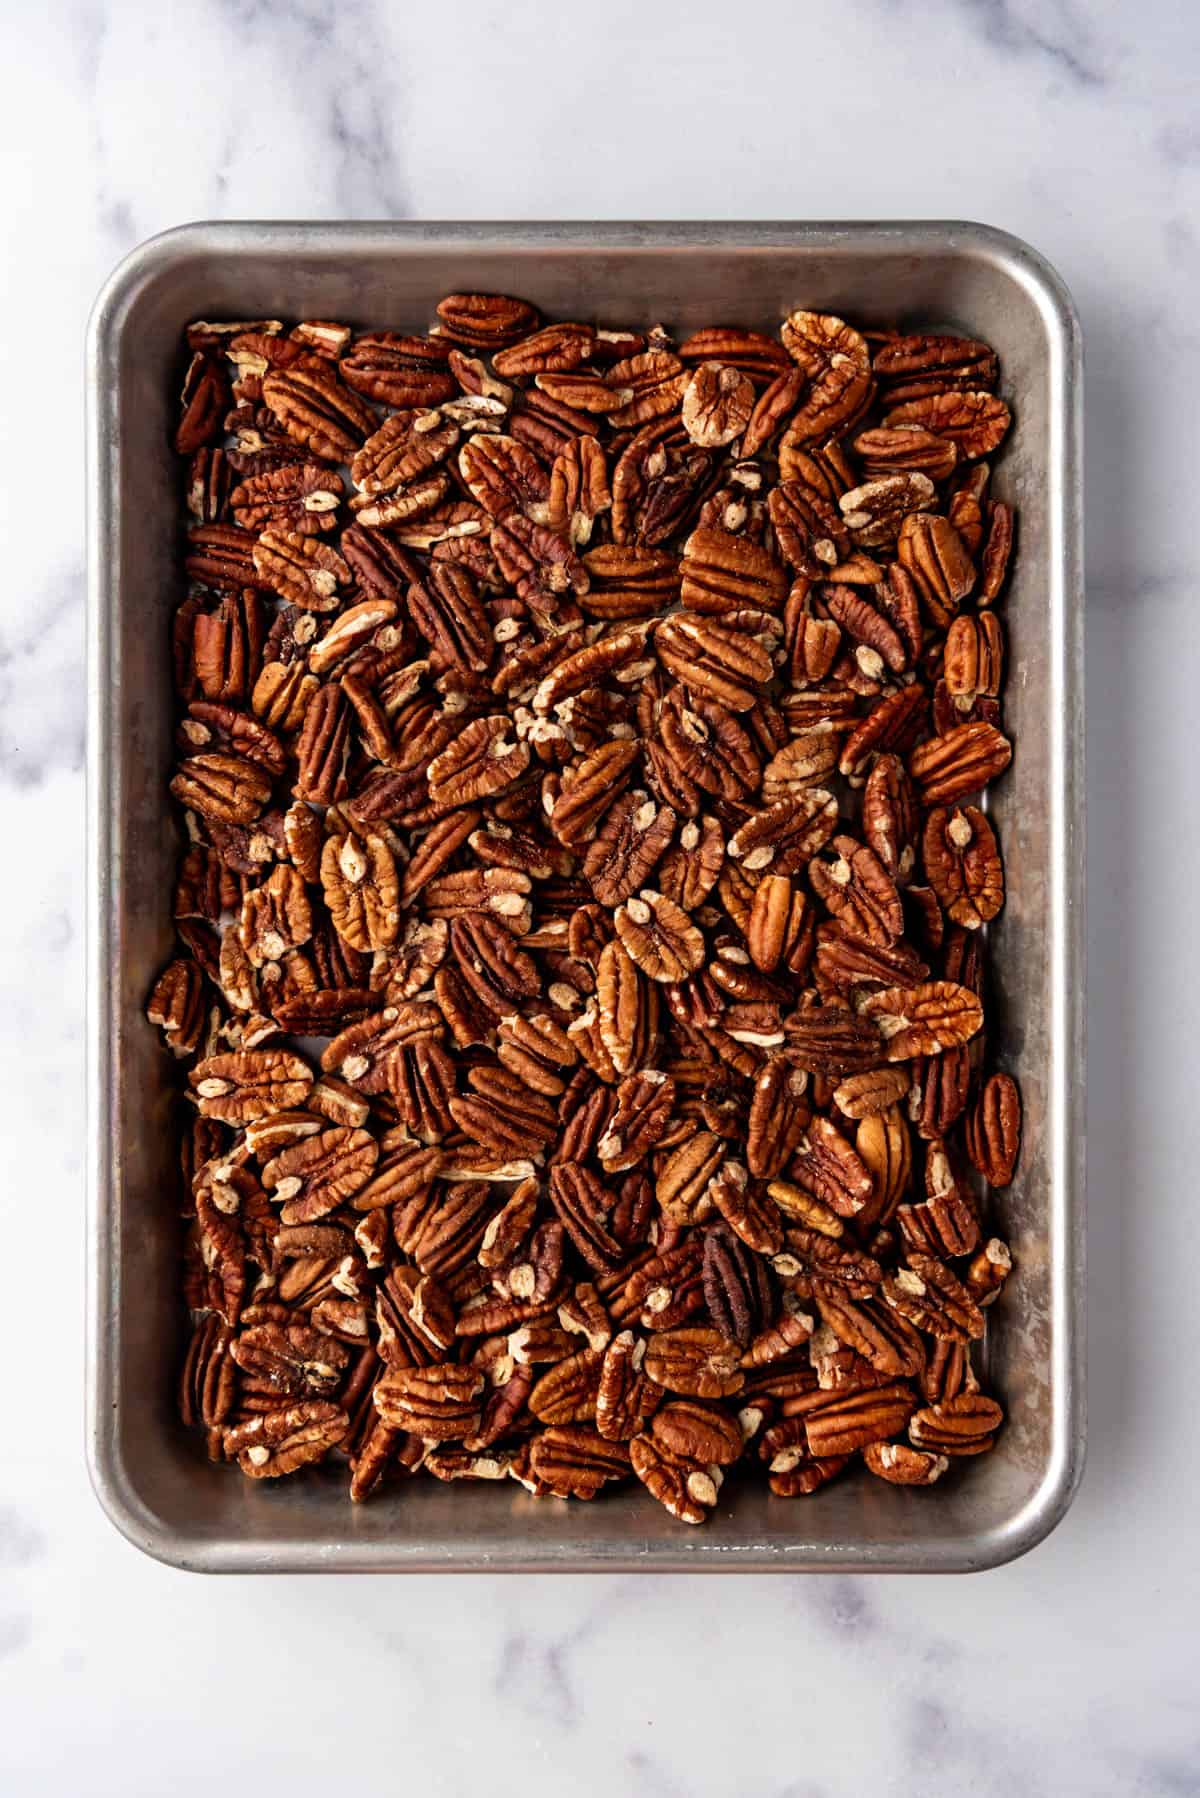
pixel 582 735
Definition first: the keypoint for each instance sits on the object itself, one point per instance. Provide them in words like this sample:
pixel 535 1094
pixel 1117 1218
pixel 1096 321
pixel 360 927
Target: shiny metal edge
pixel 114 1488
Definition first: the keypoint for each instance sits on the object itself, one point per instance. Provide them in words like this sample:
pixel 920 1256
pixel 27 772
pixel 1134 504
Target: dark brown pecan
pixel 737 1286
pixel 963 761
pixel 398 371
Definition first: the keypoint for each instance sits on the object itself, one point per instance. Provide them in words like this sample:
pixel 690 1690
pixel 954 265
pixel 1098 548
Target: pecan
pixel 683 1487
pixel 645 1101
pixel 440 1403
pixel 626 1397
pixel 932 551
pixel 924 1019
pixel 696 1363
pixel 574 1462
pixel 279 1442
pixel 737 1287
pixel 717 403
pixel 567 1392
pixel 963 1425
pixel 176 1005
pixel 988 1272
pixel 930 1296
pixel 713 659
pixel 323 747
pixel 300 497
pixel 887 1341
pixel 584 1206
pixel 659 936
pixel 630 840
pixel 811 535
pixel 993 1131
pixel 976 423
pixel 721 572
pixel 316 1175
pixel 779 1115
pixel 317 411
pixel 904 1466
pixel 963 863
pixel 961 762
pixel 249 1084
pixel 486 320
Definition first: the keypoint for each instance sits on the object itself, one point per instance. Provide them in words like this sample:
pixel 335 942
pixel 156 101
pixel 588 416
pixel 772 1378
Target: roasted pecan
pixel 441 1403
pixel 697 1363
pixel 963 1425
pixel 976 423
pixel 279 1442
pixel 993 1131
pixel 318 411
pixel 963 863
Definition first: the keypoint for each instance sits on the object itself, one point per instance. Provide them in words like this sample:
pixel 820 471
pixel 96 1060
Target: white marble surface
pixel 1071 123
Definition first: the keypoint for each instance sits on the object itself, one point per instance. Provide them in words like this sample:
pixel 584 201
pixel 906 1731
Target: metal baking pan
pixel 151 1479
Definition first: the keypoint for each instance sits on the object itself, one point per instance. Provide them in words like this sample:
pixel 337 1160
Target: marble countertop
pixel 1072 124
